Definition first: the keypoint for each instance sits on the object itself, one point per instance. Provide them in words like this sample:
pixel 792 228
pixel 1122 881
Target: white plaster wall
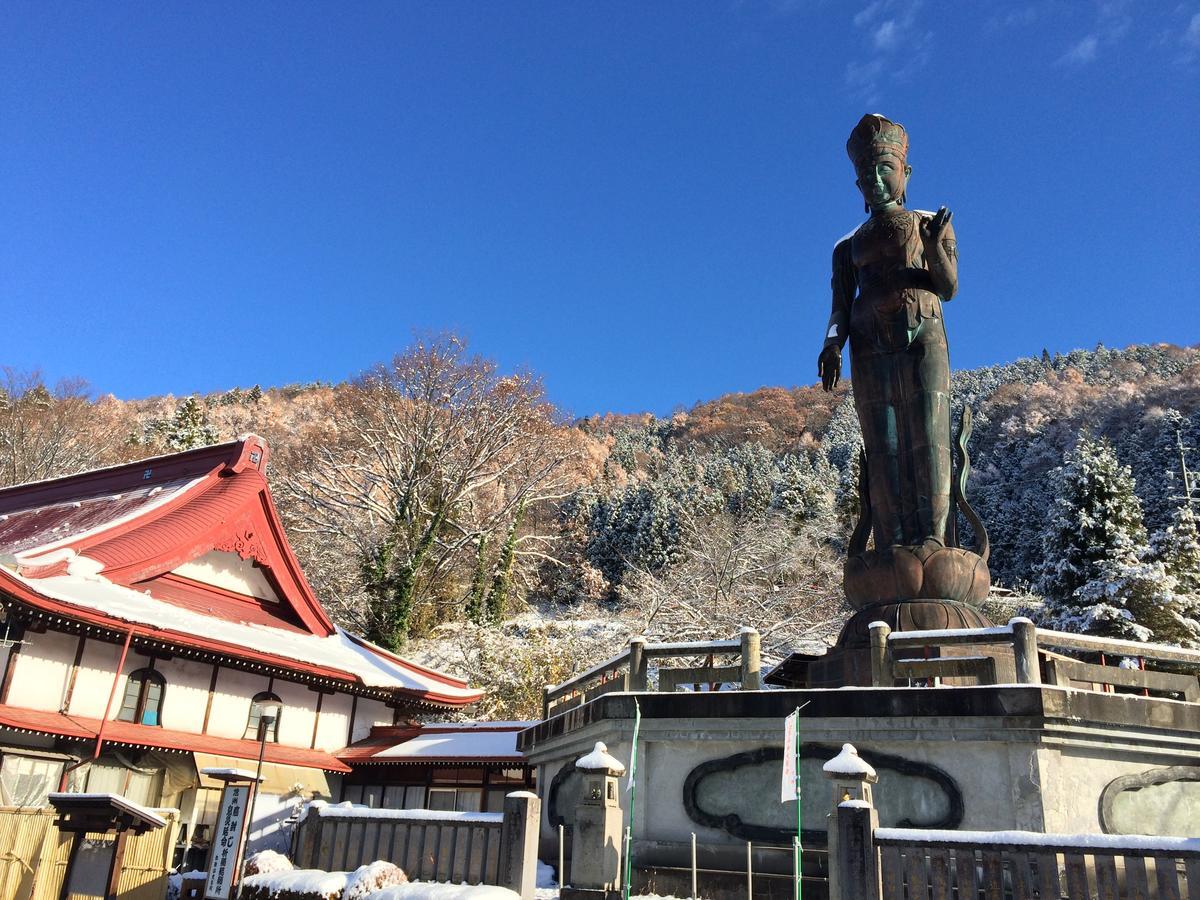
pixel 369 713
pixel 273 823
pixel 1072 781
pixel 94 682
pixel 231 702
pixel 186 695
pixel 299 711
pixel 41 670
pixel 335 718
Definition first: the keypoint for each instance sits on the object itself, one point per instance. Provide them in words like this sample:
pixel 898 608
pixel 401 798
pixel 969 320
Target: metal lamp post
pixel 268 715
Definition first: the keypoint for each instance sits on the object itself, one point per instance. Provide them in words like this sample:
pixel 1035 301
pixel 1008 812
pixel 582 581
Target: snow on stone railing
pixel 627 671
pixel 1027 642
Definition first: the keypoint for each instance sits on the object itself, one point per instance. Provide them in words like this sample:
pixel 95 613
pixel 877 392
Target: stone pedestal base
pixel 927 571
pixel 848 662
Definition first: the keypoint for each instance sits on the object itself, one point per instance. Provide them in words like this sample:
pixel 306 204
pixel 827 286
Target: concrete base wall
pixel 1022 757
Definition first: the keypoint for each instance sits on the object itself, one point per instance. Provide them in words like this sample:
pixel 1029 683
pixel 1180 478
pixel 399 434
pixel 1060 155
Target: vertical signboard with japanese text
pixel 227 842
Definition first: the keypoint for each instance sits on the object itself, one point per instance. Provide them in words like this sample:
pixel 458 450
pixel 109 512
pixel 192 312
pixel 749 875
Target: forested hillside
pixel 439 504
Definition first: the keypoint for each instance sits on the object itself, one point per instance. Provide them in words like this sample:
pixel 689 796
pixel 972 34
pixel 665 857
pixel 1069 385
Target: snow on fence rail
pixel 629 670
pixel 429 845
pixel 1158 668
pixel 872 863
pixel 916 863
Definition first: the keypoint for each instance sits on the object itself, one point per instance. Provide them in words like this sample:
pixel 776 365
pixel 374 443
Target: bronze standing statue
pixel 890 279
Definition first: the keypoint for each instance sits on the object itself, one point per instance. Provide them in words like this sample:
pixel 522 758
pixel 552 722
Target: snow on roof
pixel 39 529
pixel 340 650
pixel 599 760
pixel 463 744
pixel 848 762
pixel 116 800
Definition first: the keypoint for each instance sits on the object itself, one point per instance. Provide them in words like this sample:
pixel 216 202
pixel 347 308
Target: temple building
pixel 460 766
pixel 152 612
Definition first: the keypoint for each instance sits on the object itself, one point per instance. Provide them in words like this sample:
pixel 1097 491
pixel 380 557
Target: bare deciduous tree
pixel 44 433
pixel 734 572
pixel 425 455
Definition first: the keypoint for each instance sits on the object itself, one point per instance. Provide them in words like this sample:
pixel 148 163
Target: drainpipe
pixel 112 693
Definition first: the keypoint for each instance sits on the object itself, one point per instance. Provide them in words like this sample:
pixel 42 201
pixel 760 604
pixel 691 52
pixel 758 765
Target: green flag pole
pixel 797 848
pixel 637 724
pixel 799 814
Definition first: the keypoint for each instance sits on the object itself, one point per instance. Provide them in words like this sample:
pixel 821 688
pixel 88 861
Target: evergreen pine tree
pixel 498 598
pixel 1177 548
pixel 477 596
pixel 1095 575
pixel 187 428
pixel 1095 517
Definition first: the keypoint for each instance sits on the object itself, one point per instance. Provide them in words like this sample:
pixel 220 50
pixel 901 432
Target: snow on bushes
pixel 267 861
pixel 176 880
pixel 314 884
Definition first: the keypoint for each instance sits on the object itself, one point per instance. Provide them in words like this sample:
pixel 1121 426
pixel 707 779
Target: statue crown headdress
pixel 875 134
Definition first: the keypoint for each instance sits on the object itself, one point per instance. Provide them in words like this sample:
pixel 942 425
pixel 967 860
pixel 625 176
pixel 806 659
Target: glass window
pixel 442 798
pixel 255 719
pixel 143 699
pixel 495 799
pixel 393 796
pixel 414 797
pixel 28 780
pixel 372 795
pixel 468 800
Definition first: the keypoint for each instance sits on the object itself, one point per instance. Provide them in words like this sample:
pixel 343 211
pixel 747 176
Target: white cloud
pixel 885 35
pixel 1112 24
pixel 1191 37
pixel 1083 52
pixel 900 47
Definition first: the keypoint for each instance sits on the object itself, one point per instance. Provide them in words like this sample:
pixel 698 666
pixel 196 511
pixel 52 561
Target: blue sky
pixel 636 200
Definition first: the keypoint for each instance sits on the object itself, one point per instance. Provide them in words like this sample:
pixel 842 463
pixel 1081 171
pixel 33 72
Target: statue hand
pixel 932 229
pixel 829 367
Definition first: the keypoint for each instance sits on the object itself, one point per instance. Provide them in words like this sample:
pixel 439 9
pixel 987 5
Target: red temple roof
pixel 103 548
pixel 18 718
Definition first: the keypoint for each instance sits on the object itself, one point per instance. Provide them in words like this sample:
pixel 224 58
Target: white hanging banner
pixel 787 786
pixel 227 842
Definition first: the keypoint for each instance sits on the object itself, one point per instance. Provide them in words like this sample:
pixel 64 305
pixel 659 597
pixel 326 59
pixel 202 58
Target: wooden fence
pixel 465 847
pixel 630 670
pixel 872 863
pixel 33 856
pixel 1103 664
pixel 1023 866
pixel 476 848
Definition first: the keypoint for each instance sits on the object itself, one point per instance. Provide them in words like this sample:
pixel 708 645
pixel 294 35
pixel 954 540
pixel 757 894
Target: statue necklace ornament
pixel 890 279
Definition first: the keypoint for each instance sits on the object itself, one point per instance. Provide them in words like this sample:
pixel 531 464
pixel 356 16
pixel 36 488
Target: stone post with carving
pixel 853 863
pixel 596 848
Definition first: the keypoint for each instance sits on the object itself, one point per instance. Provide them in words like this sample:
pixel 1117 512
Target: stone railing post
pixel 881 660
pixel 857 860
pixel 751 659
pixel 596 851
pixel 853 861
pixel 1025 651
pixel 637 664
pixel 519 843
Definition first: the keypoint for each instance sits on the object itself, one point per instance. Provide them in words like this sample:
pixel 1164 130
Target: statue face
pixel 883 180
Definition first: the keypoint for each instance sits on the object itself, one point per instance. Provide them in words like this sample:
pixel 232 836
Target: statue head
pixel 878 147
